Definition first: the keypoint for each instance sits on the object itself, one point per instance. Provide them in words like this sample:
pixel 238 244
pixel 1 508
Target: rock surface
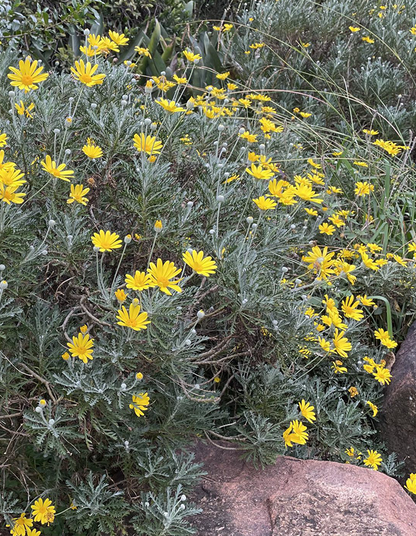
pixel 398 416
pixel 297 498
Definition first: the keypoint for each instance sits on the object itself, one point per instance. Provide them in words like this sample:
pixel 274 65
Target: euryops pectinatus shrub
pixel 227 261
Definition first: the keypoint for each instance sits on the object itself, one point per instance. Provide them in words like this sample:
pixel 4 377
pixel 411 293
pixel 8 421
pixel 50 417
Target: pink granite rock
pixel 297 498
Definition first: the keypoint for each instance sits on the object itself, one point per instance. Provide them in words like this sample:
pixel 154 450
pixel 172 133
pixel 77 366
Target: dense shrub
pixel 222 251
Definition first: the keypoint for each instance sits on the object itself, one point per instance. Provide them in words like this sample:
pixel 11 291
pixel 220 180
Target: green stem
pixel 388 313
pixel 151 251
pixel 118 267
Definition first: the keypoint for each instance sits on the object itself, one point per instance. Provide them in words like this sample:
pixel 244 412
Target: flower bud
pixel 200 314
pixel 127 239
pixel 158 226
pixel 249 220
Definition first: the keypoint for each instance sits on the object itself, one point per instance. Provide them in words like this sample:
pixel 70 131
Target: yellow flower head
pixel 251 138
pixel 170 106
pixel 307 411
pixel 191 57
pixel 201 265
pixel 143 52
pixel 21 525
pixel 90 51
pixel 389 146
pixel 85 73
pixel 78 193
pixel 132 318
pixel 338 368
pixel 363 188
pixel 94 40
pixel 106 45
pixel 326 228
pixel 10 176
pixel 58 171
pixel 370 132
pixel 373 459
pixel 265 203
pixel 81 347
pixel 349 308
pixel 92 150
pixel 28 75
pixel 320 261
pixel 382 375
pixel 140 403
pixel 121 295
pixel 305 192
pixel 296 433
pixel 147 144
pixel 384 337
pixel 118 39
pixel 22 109
pixel 106 241
pixel 341 343
pixel 162 274
pixel 9 195
pixel 259 172
pixel 43 511
pixel 139 281
pixel 411 483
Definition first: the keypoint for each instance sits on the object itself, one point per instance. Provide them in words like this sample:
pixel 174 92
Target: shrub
pixel 185 261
